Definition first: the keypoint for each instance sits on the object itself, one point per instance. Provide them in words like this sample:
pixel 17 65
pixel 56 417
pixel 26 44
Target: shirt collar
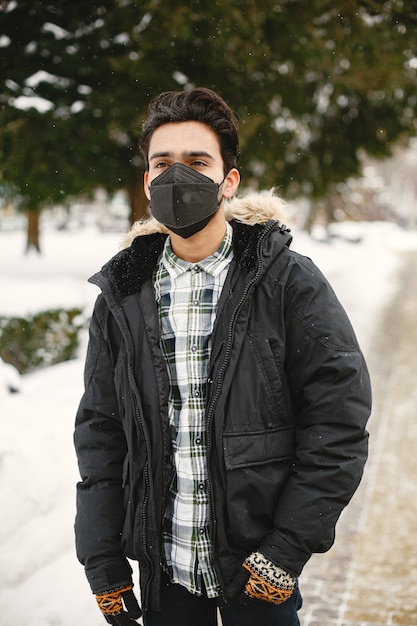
pixel 212 264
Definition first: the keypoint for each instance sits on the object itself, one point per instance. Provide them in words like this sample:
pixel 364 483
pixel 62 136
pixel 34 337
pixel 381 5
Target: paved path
pixel 369 577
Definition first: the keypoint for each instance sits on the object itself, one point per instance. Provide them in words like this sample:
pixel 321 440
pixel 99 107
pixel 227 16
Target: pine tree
pixel 314 85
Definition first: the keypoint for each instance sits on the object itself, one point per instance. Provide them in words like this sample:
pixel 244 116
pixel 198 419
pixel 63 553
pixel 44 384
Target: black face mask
pixel 184 200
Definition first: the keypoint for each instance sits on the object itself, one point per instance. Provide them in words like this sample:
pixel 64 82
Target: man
pixel 222 428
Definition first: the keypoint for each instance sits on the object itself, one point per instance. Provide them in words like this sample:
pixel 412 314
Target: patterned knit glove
pixel 267 581
pixel 111 604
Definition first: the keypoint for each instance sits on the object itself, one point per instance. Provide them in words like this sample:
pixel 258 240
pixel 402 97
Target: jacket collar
pixel 133 265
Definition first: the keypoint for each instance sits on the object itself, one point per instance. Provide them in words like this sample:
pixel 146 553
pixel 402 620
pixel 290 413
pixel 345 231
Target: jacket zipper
pixel 219 378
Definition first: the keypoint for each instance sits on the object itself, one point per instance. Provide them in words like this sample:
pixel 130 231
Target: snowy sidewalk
pixel 369 577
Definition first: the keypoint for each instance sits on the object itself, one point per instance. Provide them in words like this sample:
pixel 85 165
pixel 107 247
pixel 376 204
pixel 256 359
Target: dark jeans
pixel 181 608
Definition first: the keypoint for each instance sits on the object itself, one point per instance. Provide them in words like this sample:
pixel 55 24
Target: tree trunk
pixel 33 231
pixel 138 202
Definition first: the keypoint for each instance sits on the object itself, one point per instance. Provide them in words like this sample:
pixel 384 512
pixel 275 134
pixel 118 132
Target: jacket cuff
pixel 281 553
pixel 109 575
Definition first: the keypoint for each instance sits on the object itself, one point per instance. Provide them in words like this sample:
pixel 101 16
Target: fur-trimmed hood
pixel 251 209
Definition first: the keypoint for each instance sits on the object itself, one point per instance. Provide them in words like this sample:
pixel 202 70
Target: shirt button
pixel 198 440
pixel 194 348
pixel 196 302
pixel 202 486
pixel 196 268
pixel 201 530
pixel 196 393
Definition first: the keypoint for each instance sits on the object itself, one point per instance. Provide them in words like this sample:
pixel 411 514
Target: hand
pixel 111 605
pixel 267 581
pixel 236 588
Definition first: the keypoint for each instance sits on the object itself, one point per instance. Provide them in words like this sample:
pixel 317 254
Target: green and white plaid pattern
pixel 187 296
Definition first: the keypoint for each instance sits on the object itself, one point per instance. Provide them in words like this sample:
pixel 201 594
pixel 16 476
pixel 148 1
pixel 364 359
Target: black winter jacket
pixel 288 400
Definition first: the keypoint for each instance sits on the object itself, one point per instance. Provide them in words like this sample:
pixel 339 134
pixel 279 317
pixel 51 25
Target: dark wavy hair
pixel 200 105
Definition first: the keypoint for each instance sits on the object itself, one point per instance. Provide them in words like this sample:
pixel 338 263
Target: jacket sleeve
pixel 331 395
pixel 101 448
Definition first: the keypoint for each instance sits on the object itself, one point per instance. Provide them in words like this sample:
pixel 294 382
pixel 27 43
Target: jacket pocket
pixel 266 352
pixel 257 469
pixel 258 396
pixel 258 448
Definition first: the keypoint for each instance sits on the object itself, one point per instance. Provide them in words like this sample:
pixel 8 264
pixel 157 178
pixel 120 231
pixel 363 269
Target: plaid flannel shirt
pixel 187 295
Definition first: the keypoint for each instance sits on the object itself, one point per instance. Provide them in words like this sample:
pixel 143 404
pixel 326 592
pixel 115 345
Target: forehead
pixel 179 137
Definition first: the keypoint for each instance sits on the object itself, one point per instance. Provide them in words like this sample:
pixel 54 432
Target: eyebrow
pixel 189 153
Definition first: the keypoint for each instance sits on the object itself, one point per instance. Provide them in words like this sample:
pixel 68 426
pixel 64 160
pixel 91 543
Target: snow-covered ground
pixel 41 582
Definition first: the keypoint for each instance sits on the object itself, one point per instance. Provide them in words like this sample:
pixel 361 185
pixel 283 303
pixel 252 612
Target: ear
pixel 146 185
pixel 231 183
